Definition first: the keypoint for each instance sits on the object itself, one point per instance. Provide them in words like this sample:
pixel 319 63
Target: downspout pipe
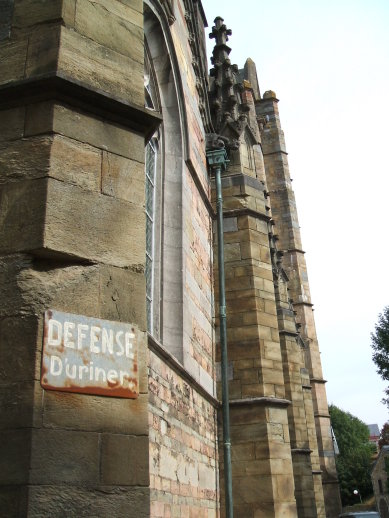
pixel 217 161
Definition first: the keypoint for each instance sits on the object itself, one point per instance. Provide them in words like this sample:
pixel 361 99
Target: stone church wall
pixel 183 448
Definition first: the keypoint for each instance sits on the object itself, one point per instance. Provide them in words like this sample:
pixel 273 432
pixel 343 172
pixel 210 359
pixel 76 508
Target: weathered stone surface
pixel 12 60
pixel 19 358
pixel 17 403
pixel 75 162
pixel 60 456
pixel 123 178
pixel 93 64
pixel 55 156
pixel 121 293
pixel 15 450
pixel 32 12
pixel 54 218
pixel 33 285
pixel 76 220
pixel 113 25
pixel 12 123
pixel 84 502
pixel 25 158
pixel 47 117
pixel 22 216
pixel 43 49
pixel 13 501
pixel 95 413
pixel 125 460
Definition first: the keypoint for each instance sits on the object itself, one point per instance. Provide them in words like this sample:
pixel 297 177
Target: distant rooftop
pixel 374 430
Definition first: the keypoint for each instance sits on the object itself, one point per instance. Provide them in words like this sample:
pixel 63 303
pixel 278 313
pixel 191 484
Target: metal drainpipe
pixel 217 160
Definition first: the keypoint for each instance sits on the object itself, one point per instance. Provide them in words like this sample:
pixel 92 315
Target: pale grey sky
pixel 328 62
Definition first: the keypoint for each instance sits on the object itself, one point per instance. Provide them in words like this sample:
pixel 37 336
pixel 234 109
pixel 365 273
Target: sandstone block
pixel 249 432
pixel 12 123
pixel 75 163
pixel 254 489
pixel 59 456
pixel 123 178
pixel 232 252
pixel 240 452
pixel 26 158
pixel 20 403
pixel 22 216
pixel 47 117
pixel 252 390
pixel 43 48
pixel 31 12
pixel 31 288
pixel 13 501
pixel 57 157
pixel 249 468
pixel 73 502
pixel 15 447
pixel 19 359
pixel 97 65
pixel 121 291
pixel 113 25
pixel 55 218
pixel 12 60
pixel 125 460
pixel 95 413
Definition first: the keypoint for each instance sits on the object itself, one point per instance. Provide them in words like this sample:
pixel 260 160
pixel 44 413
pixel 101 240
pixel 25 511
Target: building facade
pixel 379 478
pixel 107 213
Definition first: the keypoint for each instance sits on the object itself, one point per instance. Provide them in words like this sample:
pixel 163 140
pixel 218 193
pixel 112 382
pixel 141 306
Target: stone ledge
pixel 178 368
pixel 309 304
pixel 301 451
pixel 58 86
pixel 318 380
pixel 265 401
pixel 245 212
pixel 288 333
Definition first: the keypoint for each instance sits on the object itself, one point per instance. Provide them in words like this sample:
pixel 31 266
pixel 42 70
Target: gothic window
pixel 150 171
pixel 152 181
pixel 163 177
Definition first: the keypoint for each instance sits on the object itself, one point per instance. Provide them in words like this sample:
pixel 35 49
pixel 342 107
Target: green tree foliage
pixel 355 455
pixel 384 436
pixel 380 346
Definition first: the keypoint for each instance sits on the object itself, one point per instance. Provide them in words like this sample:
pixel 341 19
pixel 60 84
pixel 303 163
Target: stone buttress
pixel 72 132
pixel 287 228
pixel 262 468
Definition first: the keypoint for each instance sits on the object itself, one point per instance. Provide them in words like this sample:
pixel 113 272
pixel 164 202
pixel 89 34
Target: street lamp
pixel 356 492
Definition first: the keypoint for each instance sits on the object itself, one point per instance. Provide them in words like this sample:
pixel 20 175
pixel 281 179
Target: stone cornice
pixel 301 451
pixel 64 89
pixel 262 401
pixel 309 304
pixel 318 380
pixel 245 212
pixel 294 334
pixel 269 153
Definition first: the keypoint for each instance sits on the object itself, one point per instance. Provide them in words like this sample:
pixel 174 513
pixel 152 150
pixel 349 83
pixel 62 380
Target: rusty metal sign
pixel 89 355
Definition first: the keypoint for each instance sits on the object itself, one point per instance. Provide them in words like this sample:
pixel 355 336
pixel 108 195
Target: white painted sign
pixel 89 355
